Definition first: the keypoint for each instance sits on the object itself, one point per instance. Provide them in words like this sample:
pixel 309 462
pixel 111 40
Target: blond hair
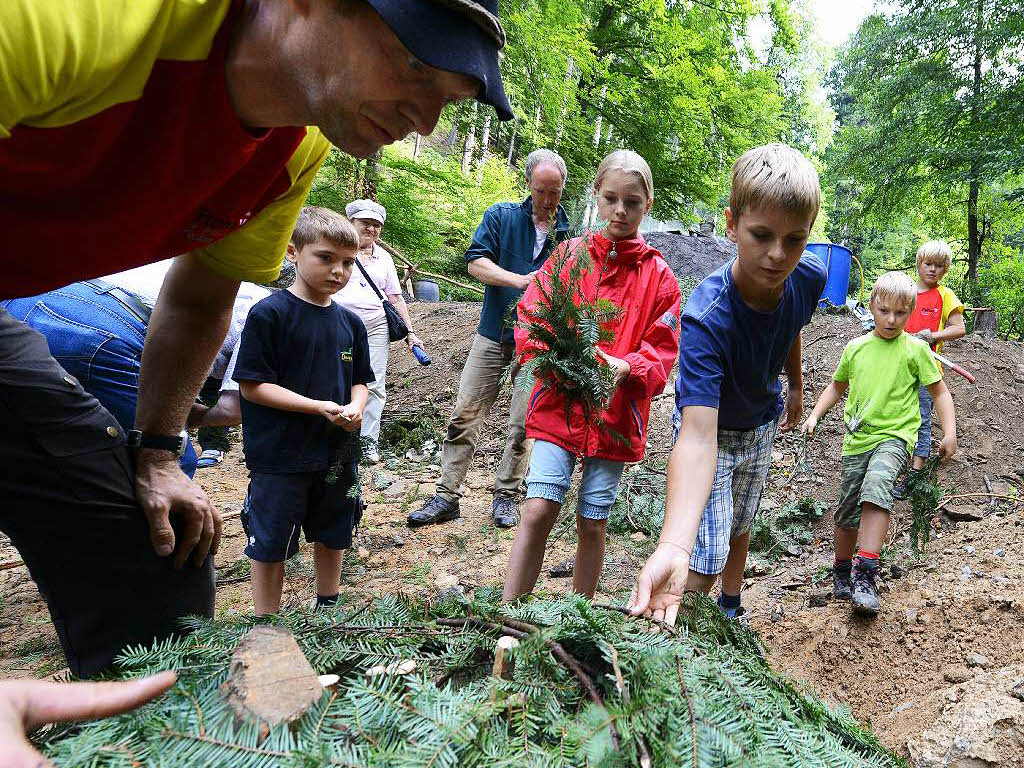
pixel 937 250
pixel 897 287
pixel 316 223
pixel 775 175
pixel 628 162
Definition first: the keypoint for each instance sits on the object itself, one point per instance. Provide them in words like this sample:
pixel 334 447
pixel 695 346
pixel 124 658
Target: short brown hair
pixel 316 223
pixel 775 175
pixel 938 250
pixel 896 286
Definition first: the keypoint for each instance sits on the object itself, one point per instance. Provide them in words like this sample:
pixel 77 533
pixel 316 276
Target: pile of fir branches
pixel 588 687
pixel 564 328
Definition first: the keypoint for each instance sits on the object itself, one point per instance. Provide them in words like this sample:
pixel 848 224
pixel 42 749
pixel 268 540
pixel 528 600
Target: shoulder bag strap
pixel 370 280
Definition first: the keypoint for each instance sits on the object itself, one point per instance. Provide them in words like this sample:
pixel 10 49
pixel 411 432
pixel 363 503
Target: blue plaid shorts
pixel 742 468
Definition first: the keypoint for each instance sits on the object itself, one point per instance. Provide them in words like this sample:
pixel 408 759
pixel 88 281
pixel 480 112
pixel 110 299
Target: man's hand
pixel 525 280
pixel 794 409
pixel 661 583
pixel 350 418
pixel 195 415
pixel 809 425
pixel 925 334
pixel 27 704
pixel 162 490
pixel 621 367
pixel 947 447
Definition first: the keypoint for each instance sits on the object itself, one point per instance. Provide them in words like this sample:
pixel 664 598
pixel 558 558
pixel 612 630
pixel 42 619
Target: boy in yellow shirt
pixel 937 317
pixel 882 370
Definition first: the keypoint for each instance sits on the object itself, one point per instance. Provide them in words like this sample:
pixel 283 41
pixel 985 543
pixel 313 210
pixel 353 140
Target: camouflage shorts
pixel 869 477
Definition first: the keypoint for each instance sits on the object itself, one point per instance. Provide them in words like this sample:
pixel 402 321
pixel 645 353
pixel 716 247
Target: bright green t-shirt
pixel 884 376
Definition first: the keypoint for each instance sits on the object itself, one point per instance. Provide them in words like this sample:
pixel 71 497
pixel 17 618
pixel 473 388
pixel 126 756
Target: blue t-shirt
pixel 319 352
pixel 730 356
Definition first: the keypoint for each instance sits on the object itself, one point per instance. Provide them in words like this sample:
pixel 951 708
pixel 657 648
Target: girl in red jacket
pixel 645 343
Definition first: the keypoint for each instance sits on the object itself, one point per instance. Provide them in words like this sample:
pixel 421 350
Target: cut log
pixel 986 322
pixel 502 656
pixel 269 678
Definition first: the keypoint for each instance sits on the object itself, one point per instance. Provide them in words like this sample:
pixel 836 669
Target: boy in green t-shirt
pixel 882 371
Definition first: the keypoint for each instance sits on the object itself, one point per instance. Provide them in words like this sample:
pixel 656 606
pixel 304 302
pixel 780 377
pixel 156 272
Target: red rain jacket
pixel 646 335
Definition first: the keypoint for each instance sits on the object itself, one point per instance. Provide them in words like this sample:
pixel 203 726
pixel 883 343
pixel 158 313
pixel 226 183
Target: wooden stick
pixel 944 501
pixel 416 270
pixel 11 564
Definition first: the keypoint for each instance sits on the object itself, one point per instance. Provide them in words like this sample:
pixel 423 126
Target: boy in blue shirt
pixel 739 330
pixel 302 370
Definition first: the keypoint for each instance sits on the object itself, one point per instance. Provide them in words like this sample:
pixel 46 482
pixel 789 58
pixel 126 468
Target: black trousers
pixel 67 502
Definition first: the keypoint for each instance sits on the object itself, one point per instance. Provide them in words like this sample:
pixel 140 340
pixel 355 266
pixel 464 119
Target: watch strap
pixel 173 443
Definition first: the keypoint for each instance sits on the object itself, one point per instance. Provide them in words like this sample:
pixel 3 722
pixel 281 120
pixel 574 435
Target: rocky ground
pixel 940 674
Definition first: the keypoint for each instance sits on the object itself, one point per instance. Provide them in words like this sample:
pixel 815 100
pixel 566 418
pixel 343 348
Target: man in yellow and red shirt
pixel 131 132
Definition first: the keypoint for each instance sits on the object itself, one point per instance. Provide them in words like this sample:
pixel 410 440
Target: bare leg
pixel 700 582
pixel 267 582
pixel 527 555
pixel 846 542
pixel 589 555
pixel 874 526
pixel 735 564
pixel 327 564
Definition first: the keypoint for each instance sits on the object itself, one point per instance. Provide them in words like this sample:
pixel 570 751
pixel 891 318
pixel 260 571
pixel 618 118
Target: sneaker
pixel 865 594
pixel 371 455
pixel 736 613
pixel 436 510
pixel 505 511
pixel 210 458
pixel 842 583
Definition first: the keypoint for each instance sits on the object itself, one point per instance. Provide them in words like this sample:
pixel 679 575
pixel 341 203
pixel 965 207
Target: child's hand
pixel 350 418
pixel 621 367
pixel 925 335
pixel 794 409
pixel 809 425
pixel 947 447
pixel 330 410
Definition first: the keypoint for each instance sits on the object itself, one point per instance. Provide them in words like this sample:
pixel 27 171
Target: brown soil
pixel 934 614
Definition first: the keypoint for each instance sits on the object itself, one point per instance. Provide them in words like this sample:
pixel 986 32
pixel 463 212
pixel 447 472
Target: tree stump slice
pixel 269 678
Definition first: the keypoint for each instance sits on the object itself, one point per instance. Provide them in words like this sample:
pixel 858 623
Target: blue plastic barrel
pixel 837 260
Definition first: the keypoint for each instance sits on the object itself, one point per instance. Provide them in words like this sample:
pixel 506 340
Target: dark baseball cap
pixel 461 36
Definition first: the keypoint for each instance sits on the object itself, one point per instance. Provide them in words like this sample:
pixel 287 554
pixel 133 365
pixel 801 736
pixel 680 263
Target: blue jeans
pixel 551 468
pixel 98 339
pixel 924 432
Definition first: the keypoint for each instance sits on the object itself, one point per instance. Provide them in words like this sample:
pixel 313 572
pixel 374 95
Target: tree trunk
pixel 512 142
pixel 416 147
pixel 371 176
pixel 467 146
pixel 485 138
pixel 974 234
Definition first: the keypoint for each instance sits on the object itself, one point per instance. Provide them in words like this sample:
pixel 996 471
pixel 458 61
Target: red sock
pixel 866 555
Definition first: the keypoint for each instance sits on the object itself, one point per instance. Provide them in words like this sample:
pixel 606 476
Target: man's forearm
pixel 185 333
pixel 489 273
pixel 226 413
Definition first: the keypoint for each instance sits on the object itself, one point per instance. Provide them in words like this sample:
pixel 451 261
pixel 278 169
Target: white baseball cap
pixel 366 209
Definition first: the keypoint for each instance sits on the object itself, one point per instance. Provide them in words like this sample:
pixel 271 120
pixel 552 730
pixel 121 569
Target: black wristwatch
pixel 175 444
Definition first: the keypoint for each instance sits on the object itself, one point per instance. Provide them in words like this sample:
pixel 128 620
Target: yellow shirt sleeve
pixel 255 251
pixel 950 304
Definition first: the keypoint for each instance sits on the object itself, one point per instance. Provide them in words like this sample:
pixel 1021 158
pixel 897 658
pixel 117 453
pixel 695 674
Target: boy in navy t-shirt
pixel 302 369
pixel 739 330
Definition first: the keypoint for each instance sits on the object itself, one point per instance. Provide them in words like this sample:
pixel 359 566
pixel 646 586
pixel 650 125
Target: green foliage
pixel 924 492
pixel 700 696
pixel 401 431
pixel 564 328
pixel 640 503
pixel 778 529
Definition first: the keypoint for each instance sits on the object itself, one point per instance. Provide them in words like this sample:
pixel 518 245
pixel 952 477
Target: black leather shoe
pixel 505 512
pixel 436 510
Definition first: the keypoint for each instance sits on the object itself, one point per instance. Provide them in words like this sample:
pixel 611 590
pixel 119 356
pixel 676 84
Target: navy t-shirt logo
pixel 346 355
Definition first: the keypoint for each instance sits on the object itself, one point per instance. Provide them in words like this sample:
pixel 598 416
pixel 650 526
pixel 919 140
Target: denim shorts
pixel 97 338
pixel 924 432
pixel 740 472
pixel 869 477
pixel 551 467
pixel 280 506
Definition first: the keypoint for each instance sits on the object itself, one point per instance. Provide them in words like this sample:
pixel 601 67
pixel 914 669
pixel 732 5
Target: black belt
pixel 129 300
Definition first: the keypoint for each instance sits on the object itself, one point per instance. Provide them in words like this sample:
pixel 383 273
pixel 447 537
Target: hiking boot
pixel 436 510
pixel 505 511
pixel 842 583
pixel 865 593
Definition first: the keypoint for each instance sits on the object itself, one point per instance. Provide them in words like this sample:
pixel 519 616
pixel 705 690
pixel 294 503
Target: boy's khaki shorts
pixel 869 477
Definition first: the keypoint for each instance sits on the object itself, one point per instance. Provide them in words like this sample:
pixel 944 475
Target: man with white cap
pixel 376 268
pixel 133 132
